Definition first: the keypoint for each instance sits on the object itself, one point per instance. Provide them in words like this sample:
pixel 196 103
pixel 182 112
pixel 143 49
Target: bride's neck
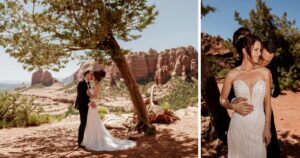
pixel 246 65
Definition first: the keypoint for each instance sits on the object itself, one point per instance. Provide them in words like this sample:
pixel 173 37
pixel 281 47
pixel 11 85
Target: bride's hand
pixel 267 136
pixel 88 92
pixel 93 105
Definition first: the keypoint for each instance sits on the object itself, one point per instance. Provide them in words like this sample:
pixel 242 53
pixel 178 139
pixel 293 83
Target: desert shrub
pixel 60 117
pixel 71 111
pixel 144 87
pixel 221 74
pixel 165 105
pixel 290 78
pixel 119 90
pixel 102 111
pixel 220 65
pixel 17 111
pixel 182 94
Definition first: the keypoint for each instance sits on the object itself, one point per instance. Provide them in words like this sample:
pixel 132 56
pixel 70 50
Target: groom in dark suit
pixel 82 101
pixel 267 60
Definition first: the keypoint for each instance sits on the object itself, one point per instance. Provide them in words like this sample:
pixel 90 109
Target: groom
pixel 82 101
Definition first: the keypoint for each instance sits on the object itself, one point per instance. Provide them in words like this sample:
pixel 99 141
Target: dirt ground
pixel 286 110
pixel 60 140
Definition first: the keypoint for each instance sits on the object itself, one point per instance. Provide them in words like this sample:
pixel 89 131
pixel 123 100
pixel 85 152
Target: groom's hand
pixel 242 107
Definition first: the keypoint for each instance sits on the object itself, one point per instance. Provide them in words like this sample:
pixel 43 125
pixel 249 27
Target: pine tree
pixel 206 9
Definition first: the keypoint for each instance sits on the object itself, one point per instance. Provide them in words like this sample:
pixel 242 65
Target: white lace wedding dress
pixel 245 134
pixel 97 137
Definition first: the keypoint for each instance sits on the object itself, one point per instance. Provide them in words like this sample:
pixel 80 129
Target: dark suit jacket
pixel 273 68
pixel 82 99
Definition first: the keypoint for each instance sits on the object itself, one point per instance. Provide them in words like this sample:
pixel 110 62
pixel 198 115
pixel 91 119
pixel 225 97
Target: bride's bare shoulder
pixel 232 74
pixel 263 70
pixel 266 73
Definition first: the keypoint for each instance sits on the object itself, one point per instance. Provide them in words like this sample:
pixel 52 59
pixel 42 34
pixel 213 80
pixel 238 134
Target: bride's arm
pixel 225 91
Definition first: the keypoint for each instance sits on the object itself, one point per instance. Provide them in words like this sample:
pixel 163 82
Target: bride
pixel 248 135
pixel 96 136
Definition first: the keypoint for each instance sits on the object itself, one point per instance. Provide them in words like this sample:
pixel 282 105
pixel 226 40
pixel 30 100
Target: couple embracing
pixel 92 134
pixel 252 132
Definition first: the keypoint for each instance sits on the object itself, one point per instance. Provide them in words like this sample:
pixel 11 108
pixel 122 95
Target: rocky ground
pixel 286 111
pixel 58 139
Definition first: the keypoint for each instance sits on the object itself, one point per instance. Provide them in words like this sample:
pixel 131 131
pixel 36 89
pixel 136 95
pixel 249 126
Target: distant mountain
pixel 68 80
pixel 8 86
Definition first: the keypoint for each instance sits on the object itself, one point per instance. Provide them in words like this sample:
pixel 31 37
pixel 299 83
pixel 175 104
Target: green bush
pixel 33 120
pixel 194 99
pixel 165 105
pixel 71 111
pixel 102 111
pixel 60 117
pixel 119 90
pixel 182 94
pixel 288 78
pixel 17 111
pixel 221 74
pixel 101 115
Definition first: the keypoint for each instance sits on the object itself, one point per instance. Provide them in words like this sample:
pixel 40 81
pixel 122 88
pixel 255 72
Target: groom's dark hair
pixel 270 46
pixel 86 72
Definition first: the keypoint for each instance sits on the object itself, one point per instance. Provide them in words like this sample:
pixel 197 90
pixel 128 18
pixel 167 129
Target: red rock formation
pixel 180 62
pixel 42 77
pixel 138 65
pixel 162 75
pixel 46 79
pixel 152 65
pixel 142 65
pixel 36 77
pixel 194 68
pixel 151 59
pixel 212 45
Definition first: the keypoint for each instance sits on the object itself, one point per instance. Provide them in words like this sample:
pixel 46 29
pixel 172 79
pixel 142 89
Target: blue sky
pixel 176 25
pixel 222 21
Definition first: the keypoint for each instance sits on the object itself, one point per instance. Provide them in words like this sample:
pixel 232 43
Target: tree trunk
pixel 211 94
pixel 138 102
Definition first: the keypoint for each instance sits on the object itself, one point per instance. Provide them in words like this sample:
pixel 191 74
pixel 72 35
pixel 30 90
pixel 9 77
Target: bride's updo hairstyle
pixel 242 31
pixel 99 75
pixel 247 42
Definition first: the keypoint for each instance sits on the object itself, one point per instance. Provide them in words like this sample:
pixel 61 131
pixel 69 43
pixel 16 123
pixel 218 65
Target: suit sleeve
pixel 81 90
pixel 276 91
